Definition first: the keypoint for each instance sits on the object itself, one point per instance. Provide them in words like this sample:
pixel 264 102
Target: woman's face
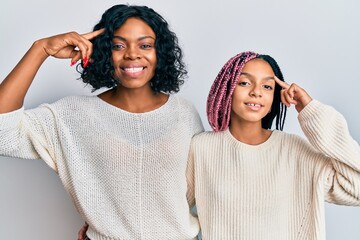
pixel 134 54
pixel 254 93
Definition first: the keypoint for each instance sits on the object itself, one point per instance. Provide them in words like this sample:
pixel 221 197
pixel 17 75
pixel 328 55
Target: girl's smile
pixel 254 93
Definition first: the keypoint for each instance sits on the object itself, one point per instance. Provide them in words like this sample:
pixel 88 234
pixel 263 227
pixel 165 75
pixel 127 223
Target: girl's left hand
pixel 293 94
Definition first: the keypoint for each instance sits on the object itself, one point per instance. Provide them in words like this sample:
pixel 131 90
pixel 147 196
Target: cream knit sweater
pixel 275 190
pixel 125 172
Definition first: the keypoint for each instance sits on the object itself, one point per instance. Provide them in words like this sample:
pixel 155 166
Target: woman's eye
pixel 146 46
pixel 117 46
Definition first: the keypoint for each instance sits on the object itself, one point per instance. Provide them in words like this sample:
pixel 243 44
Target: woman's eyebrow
pixel 139 39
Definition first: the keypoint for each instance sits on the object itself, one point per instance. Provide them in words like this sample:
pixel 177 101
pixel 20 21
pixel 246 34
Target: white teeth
pixel 253 104
pixel 133 69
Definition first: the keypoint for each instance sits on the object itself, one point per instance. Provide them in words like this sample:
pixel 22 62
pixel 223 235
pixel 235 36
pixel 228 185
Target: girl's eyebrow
pixel 139 39
pixel 251 76
pixel 270 78
pixel 246 74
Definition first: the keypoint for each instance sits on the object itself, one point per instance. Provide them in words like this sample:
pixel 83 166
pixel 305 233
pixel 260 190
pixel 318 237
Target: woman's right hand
pixel 82 232
pixel 70 45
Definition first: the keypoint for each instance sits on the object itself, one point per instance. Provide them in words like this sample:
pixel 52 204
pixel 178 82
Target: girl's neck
pixel 134 100
pixel 249 133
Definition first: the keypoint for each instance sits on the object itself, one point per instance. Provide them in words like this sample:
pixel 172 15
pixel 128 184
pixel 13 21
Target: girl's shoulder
pixel 208 136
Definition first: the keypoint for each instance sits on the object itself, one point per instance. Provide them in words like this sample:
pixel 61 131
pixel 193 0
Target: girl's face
pixel 134 54
pixel 253 96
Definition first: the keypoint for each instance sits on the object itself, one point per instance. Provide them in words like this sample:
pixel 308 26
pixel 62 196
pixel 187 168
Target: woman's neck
pixel 134 100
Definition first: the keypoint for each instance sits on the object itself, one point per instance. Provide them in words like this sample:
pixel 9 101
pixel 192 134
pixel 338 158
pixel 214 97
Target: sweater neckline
pixel 237 144
pixel 160 109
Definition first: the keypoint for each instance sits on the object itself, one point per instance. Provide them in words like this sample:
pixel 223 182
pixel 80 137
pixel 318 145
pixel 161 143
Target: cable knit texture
pixel 125 172
pixel 275 190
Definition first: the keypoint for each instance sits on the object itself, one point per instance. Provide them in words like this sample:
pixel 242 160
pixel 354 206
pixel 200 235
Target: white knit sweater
pixel 125 172
pixel 275 190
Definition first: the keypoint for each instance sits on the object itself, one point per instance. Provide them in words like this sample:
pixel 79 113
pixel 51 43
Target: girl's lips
pixel 254 106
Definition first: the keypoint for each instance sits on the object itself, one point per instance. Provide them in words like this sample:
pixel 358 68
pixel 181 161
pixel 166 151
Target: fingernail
pixel 72 63
pixel 85 62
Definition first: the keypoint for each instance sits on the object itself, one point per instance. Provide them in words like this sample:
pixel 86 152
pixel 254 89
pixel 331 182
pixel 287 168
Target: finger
pixel 83 48
pixel 94 34
pixel 76 57
pixel 292 90
pixel 288 98
pixel 89 50
pixel 283 98
pixel 295 91
pixel 81 233
pixel 281 83
pixel 77 44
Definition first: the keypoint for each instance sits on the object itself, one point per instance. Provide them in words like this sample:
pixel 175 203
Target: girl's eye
pixel 268 87
pixel 243 83
pixel 118 46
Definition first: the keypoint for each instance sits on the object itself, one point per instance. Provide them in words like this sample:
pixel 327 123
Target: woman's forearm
pixel 15 86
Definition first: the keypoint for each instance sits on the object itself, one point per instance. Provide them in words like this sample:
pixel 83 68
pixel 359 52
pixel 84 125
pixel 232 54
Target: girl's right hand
pixel 70 45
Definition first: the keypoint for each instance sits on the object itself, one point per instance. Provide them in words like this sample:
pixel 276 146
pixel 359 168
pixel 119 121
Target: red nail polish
pixel 85 62
pixel 72 63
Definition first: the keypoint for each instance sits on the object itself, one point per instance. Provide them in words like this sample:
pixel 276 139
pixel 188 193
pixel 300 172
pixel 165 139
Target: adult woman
pixel 111 150
pixel 253 183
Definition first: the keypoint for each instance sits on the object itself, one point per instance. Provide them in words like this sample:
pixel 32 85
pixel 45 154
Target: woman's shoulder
pixel 73 101
pixel 69 104
pixel 182 102
pixel 184 106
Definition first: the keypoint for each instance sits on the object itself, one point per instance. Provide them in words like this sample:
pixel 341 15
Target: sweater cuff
pixel 11 119
pixel 313 110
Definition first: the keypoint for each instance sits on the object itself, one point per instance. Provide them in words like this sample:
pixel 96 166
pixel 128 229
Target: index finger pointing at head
pixel 281 83
pixel 94 34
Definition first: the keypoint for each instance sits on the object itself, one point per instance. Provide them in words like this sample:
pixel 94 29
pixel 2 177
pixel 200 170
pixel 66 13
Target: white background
pixel 316 43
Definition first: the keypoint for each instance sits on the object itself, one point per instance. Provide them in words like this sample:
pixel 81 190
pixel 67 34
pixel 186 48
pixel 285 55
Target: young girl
pixel 111 151
pixel 251 182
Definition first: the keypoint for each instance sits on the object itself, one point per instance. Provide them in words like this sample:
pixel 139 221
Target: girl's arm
pixel 327 131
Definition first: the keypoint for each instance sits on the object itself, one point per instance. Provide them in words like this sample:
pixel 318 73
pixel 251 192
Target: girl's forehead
pixel 257 65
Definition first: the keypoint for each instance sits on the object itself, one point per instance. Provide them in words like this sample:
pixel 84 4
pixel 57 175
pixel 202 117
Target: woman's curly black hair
pixel 170 70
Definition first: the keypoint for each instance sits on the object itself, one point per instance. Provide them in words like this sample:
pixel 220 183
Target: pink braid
pixel 220 96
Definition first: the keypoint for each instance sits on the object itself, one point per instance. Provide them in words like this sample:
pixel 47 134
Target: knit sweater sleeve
pixel 327 131
pixel 197 127
pixel 190 177
pixel 25 134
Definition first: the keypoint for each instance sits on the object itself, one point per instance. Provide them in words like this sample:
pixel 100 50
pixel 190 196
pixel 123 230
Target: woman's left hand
pixel 293 94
